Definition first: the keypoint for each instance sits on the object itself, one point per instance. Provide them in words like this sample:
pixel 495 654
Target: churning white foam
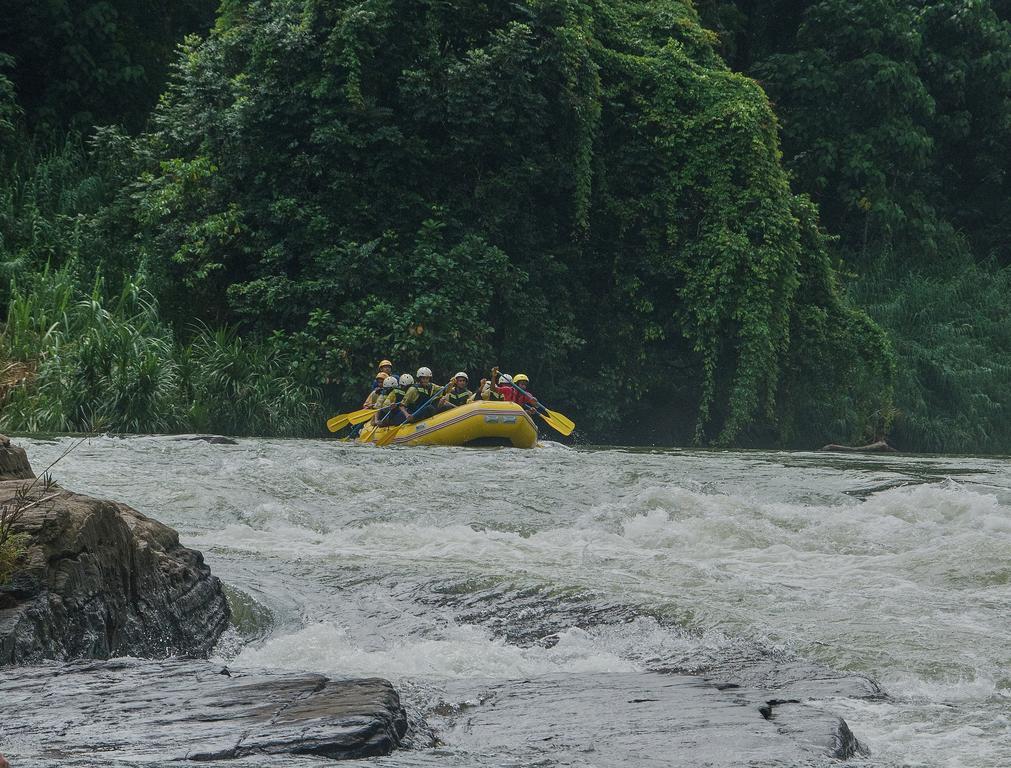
pixel 909 585
pixel 456 651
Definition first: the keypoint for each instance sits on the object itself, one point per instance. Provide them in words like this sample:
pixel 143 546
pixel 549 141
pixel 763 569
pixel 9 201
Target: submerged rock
pixel 195 710
pixel 879 446
pixel 99 580
pixel 722 700
pixel 210 439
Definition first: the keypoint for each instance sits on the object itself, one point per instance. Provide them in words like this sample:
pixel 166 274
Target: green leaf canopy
pixel 579 189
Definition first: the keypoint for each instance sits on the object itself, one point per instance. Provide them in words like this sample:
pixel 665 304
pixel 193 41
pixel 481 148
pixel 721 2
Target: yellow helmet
pixel 521 378
pixel 382 375
pixel 385 362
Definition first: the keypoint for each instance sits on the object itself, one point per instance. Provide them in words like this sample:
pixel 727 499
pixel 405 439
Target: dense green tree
pixel 582 189
pixel 9 109
pixel 895 119
pixel 966 66
pixel 856 116
pixel 82 62
pixel 895 113
pixel 751 30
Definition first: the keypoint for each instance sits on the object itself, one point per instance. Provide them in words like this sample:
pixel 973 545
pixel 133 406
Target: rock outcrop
pixel 194 710
pixel 13 461
pixel 100 580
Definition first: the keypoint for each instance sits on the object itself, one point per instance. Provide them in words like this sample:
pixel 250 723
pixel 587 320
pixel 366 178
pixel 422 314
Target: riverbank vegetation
pixel 582 190
pixel 895 121
pixel 89 363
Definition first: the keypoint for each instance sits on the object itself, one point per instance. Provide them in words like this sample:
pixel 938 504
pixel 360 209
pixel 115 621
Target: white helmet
pixel 506 378
pixel 461 375
pixel 406 380
pixel 389 382
pixel 424 372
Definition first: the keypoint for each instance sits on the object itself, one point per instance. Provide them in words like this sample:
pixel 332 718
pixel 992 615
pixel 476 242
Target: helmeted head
pixel 506 378
pixel 424 375
pixel 406 380
pixel 386 367
pixel 389 382
pixel 382 376
pixel 522 379
pixel 461 379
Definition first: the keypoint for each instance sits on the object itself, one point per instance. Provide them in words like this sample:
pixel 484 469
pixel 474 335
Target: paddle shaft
pixel 538 407
pixel 416 410
pixel 544 412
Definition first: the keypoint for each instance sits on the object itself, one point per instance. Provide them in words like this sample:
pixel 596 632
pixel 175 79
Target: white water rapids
pixel 455 571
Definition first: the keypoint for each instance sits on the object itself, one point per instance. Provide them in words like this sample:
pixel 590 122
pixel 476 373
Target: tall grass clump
pixel 100 365
pixel 113 365
pixel 242 388
pixel 951 330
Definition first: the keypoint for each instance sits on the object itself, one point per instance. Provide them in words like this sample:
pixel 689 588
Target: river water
pixel 518 599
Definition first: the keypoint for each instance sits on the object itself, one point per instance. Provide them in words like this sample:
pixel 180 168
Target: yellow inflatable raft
pixel 480 423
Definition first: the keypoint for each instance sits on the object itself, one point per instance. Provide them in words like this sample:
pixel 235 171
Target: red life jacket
pixel 513 395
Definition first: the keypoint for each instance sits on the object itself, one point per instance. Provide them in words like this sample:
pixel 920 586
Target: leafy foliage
pixel 115 366
pixel 81 62
pixel 49 197
pixel 580 188
pixel 854 125
pixel 895 114
pixel 951 327
pixel 895 120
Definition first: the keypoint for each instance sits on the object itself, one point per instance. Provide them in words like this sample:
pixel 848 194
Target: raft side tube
pixel 501 422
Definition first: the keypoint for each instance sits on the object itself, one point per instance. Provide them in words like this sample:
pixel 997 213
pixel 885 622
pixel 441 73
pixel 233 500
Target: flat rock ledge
pixel 193 710
pixel 100 580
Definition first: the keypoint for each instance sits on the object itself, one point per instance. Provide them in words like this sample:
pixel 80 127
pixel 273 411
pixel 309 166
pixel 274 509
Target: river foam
pixel 455 651
pixel 892 567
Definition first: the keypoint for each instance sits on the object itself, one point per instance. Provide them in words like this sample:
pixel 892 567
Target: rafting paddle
pixel 338 423
pixel 557 421
pixel 389 436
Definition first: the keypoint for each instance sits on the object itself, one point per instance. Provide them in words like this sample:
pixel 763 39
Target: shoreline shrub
pixel 113 365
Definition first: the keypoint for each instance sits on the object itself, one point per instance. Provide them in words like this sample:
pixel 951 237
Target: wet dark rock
pixel 99 580
pixel 187 709
pixel 879 446
pixel 614 716
pixel 13 461
pixel 748 682
pixel 814 727
pixel 211 439
pixel 794 689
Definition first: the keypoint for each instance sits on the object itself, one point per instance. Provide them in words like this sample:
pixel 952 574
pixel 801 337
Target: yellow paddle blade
pixel 355 417
pixel 360 417
pixel 391 433
pixel 337 423
pixel 564 420
pixel 556 424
